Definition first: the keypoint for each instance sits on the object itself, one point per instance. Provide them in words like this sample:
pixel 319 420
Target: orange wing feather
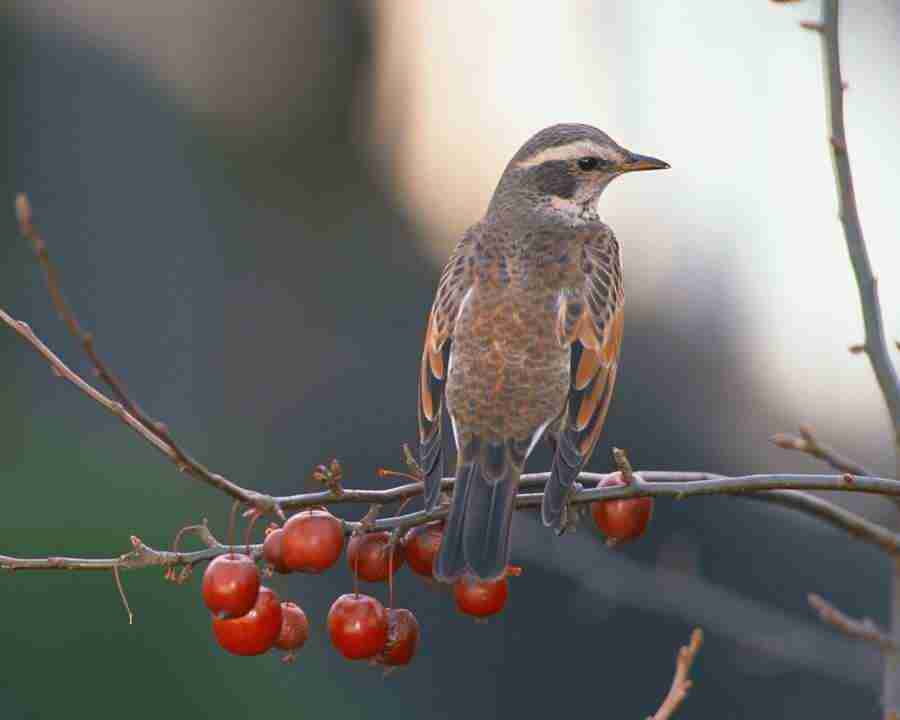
pixel 455 282
pixel 598 324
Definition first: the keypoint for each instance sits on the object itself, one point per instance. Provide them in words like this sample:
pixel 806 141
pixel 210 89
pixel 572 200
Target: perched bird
pixel 523 341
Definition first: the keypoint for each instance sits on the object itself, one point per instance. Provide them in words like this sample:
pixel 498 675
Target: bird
pixel 522 342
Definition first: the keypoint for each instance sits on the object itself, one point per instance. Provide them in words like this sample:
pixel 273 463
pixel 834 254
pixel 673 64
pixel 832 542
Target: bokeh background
pixel 250 203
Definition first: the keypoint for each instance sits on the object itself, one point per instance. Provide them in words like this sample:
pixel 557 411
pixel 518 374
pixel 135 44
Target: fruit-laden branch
pixel 664 484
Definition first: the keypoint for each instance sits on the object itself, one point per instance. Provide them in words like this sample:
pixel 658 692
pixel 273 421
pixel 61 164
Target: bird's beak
pixel 642 162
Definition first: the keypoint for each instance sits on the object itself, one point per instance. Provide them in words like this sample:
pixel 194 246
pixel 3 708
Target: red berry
pixel 230 585
pixel 480 598
pixel 294 628
pixel 255 632
pixel 272 551
pixel 368 556
pixel 312 541
pixel 623 519
pixel 358 626
pixel 403 638
pixel 421 546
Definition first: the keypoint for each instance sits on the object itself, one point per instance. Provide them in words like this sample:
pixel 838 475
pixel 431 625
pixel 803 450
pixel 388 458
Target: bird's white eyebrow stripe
pixel 577 149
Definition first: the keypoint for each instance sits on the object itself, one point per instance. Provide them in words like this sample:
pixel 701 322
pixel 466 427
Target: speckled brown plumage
pixel 524 335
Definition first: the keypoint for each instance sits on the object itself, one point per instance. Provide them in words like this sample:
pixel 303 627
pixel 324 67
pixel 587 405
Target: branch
pixel 864 629
pixel 31 234
pixel 760 488
pixel 807 443
pixel 124 407
pixel 682 682
pixel 778 489
pixel 264 503
pixel 875 344
pixel 142 556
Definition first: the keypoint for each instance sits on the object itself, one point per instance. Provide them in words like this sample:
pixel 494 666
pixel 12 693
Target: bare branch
pixel 864 629
pixel 761 488
pixel 262 502
pixel 141 556
pixel 183 461
pixel 875 344
pixel 31 234
pixel 809 444
pixel 682 682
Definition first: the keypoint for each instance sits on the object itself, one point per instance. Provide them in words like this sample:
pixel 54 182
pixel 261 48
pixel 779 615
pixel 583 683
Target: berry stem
pixel 232 521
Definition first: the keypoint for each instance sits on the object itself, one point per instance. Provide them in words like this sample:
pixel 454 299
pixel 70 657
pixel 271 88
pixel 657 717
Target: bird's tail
pixel 567 464
pixel 476 537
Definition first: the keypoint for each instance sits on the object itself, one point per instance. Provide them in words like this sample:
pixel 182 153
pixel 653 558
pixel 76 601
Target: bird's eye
pixel 589 163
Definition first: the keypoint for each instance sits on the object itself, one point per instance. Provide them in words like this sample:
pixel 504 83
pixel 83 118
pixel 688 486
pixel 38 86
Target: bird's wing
pixel 591 321
pixel 456 281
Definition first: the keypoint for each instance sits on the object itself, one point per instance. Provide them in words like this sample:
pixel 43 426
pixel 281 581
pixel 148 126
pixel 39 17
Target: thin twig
pixel 624 465
pixel 122 595
pixel 864 629
pixel 682 682
pixel 201 530
pixel 141 556
pixel 808 443
pixel 30 232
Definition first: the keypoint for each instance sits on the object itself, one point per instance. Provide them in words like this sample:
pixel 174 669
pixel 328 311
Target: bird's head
pixel 561 171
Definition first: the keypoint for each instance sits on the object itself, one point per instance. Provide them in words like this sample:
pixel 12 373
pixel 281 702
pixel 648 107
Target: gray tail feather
pixel 566 467
pixel 476 536
pixel 451 562
pixel 488 521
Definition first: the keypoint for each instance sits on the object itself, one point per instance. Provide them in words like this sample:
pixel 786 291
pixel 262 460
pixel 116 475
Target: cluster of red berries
pixel 249 619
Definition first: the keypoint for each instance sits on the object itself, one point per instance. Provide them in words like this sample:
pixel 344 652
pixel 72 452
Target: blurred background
pixel 250 205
